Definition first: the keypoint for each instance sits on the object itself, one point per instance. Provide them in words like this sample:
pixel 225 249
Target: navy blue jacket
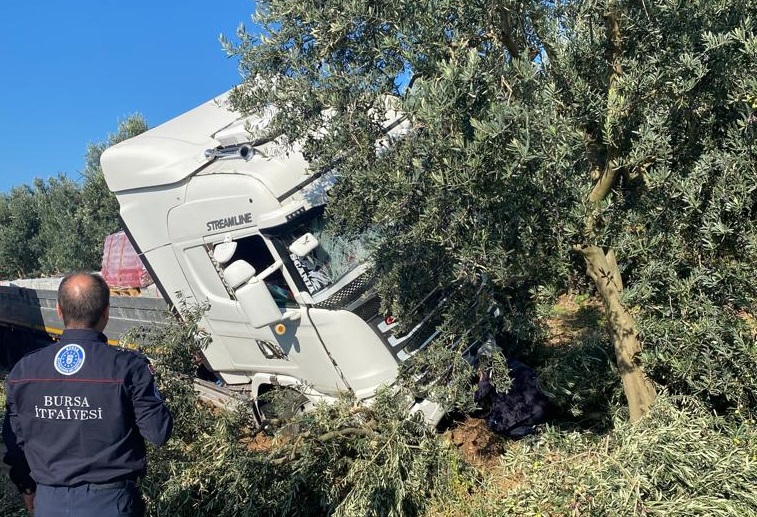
pixel 78 411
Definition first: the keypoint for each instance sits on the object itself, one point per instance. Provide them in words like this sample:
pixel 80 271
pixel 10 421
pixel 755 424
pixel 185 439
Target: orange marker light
pixel 280 329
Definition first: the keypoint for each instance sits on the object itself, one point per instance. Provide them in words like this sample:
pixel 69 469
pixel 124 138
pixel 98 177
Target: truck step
pixel 218 396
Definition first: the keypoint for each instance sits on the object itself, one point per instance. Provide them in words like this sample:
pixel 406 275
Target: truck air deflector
pixel 169 152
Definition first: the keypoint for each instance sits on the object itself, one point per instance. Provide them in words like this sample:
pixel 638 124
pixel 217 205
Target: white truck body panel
pixel 178 202
pixel 171 152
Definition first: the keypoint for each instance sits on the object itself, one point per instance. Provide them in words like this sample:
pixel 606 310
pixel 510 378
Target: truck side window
pixel 254 251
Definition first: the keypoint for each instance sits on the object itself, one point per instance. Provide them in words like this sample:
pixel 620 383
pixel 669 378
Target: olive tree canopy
pixel 550 140
pixel 57 225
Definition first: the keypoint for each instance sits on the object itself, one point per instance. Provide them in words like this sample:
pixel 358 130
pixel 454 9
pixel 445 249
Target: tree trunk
pixel 603 270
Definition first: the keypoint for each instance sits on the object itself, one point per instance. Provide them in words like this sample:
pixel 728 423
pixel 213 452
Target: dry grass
pixel 575 318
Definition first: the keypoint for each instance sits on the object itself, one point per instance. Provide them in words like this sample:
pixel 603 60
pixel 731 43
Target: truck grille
pixel 345 297
pixel 405 340
pixel 369 310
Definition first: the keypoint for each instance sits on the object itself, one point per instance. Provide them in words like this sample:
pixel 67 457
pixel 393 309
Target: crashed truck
pixel 238 225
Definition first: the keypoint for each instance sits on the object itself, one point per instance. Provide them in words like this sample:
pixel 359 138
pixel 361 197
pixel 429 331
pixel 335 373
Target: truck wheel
pixel 278 406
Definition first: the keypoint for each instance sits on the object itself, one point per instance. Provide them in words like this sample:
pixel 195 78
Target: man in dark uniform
pixel 78 413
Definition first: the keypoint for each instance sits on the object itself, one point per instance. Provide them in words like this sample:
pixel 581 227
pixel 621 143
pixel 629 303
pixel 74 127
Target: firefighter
pixel 78 413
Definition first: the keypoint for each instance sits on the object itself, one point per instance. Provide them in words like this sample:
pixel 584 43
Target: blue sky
pixel 72 70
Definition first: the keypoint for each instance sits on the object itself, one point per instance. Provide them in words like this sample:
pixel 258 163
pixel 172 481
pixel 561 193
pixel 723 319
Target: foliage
pixel 681 460
pixel 10 502
pixel 344 459
pixel 352 460
pixel 583 381
pixel 57 225
pixel 61 228
pixel 20 246
pixel 174 349
pixel 538 128
pixel 99 210
pixel 687 236
pixel 440 374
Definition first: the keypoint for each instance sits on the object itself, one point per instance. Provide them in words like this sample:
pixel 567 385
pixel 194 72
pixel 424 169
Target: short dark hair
pixel 83 306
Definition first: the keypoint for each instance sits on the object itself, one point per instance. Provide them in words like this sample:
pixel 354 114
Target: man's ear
pixel 58 311
pixel 104 319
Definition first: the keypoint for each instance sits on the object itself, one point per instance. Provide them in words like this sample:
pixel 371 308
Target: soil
pixel 258 442
pixel 477 443
pixel 572 319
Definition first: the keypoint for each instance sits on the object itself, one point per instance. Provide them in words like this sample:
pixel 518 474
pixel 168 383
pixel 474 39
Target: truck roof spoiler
pixel 169 152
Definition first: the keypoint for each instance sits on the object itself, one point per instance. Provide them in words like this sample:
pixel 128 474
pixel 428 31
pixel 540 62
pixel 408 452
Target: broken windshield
pixel 337 253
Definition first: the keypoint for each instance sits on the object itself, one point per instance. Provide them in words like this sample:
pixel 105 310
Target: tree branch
pixel 506 32
pixel 609 175
pixel 369 430
pixel 602 269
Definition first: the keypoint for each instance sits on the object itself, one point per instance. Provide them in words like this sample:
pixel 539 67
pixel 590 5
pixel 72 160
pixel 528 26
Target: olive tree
pixel 99 209
pixel 58 225
pixel 19 233
pixel 550 140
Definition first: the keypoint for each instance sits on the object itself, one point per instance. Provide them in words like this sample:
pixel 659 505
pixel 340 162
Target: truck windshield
pixel 336 255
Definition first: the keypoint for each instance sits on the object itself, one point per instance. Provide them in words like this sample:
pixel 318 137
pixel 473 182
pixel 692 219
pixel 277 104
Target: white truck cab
pixel 217 217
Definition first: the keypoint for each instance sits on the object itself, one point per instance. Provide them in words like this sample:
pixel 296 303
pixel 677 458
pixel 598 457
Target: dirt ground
pixel 476 442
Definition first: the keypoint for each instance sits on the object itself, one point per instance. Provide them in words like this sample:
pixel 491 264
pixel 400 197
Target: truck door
pixel 288 347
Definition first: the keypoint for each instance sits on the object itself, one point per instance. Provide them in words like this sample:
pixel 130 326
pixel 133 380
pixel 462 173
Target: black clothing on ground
pixel 523 406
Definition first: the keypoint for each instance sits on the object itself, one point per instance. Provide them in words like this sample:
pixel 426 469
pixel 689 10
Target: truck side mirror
pixel 237 273
pixel 258 304
pixel 252 293
pixel 304 245
pixel 223 251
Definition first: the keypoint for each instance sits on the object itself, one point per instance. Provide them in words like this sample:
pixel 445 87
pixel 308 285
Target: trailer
pixel 28 318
